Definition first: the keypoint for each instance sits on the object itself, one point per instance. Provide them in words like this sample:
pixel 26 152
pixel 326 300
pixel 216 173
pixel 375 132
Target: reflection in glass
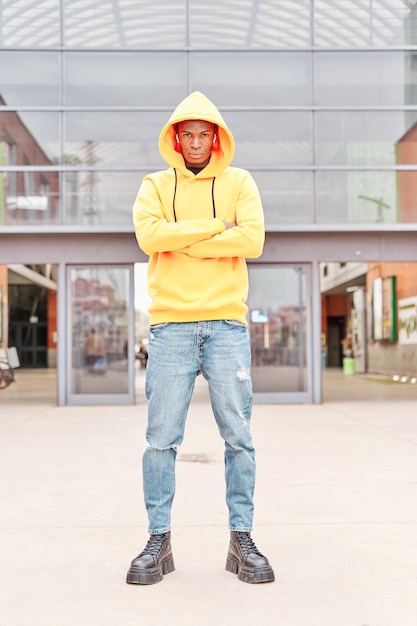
pixel 99 110
pixel 277 324
pixel 271 138
pixel 103 198
pixel 114 138
pixel 125 23
pixel 407 194
pixel 32 198
pixel 124 78
pixel 248 24
pixel 244 24
pixel 359 197
pixel 287 197
pixel 360 137
pixel 362 23
pixel 28 78
pixel 99 324
pixel 254 79
pixel 34 135
pixel 362 78
pixel 26 23
pixel 28 139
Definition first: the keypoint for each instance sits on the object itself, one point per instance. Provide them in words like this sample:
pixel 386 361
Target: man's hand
pixel 229 224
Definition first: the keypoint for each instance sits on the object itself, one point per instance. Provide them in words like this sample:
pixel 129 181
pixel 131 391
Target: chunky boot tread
pixel 232 565
pixel 153 562
pixel 245 560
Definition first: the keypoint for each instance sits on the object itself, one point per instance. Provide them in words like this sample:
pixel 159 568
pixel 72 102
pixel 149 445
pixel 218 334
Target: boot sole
pixel 250 574
pixel 139 576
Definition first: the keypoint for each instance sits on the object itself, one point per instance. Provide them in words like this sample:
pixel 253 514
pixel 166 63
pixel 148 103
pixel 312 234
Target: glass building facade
pixel 319 94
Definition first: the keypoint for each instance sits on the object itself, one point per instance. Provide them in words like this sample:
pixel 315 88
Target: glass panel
pixel 407 193
pixel 253 79
pixel 125 78
pixel 277 324
pixel 270 138
pixel 125 23
pixel 356 78
pixel 362 138
pixel 29 78
pixel 28 197
pixel 250 24
pixel 348 23
pixel 35 198
pixel 365 197
pixel 99 323
pixel 410 76
pixel 104 198
pixel 29 138
pixel 118 139
pixel 287 197
pixel 29 24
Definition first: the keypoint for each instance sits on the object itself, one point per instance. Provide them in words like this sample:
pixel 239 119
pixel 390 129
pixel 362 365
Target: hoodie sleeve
pixel 246 239
pixel 156 234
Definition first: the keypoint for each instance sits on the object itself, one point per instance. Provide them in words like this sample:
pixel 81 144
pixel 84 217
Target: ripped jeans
pixel 178 352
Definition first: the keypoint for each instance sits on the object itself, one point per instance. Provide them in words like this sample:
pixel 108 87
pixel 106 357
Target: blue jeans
pixel 178 352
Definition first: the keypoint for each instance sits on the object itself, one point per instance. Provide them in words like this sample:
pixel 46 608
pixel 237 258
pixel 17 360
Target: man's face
pixel 196 139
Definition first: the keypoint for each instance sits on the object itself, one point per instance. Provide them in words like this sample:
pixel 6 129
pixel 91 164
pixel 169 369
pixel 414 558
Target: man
pixel 94 349
pixel 198 221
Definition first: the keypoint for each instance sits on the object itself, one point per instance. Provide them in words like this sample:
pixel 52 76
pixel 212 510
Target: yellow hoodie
pixel 197 269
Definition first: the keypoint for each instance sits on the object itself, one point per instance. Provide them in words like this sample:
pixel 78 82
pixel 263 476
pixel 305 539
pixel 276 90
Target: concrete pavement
pixel 336 513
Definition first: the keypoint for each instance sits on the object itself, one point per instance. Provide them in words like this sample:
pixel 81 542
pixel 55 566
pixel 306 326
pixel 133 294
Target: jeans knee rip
pixel 244 420
pixel 242 375
pixel 161 448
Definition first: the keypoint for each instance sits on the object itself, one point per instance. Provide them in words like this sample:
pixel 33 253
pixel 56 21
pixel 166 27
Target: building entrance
pixel 29 339
pixel 369 316
pixel 280 332
pixel 290 304
pixel 100 334
pixel 336 333
pixel 31 314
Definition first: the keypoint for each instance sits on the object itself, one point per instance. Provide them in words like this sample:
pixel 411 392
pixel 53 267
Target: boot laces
pixel 154 545
pixel 246 543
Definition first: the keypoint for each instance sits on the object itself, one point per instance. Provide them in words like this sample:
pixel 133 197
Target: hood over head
pixel 197 106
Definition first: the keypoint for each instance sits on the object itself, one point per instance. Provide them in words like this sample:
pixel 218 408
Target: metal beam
pixel 32 276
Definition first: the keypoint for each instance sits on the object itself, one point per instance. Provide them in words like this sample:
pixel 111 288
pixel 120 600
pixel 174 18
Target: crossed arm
pixel 202 238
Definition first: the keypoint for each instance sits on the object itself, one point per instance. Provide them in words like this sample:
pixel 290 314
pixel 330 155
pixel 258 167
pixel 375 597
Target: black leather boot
pixel 153 562
pixel 245 560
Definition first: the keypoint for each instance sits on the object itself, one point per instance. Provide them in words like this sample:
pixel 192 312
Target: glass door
pixel 279 323
pixel 101 355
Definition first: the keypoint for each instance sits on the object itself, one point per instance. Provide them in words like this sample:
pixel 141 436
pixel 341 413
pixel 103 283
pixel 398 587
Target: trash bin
pixel 348 366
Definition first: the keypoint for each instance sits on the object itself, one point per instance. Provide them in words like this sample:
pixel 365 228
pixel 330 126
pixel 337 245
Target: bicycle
pixel 6 369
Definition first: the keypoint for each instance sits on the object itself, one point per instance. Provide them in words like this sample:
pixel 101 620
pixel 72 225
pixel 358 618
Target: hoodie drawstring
pixel 212 197
pixel 175 193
